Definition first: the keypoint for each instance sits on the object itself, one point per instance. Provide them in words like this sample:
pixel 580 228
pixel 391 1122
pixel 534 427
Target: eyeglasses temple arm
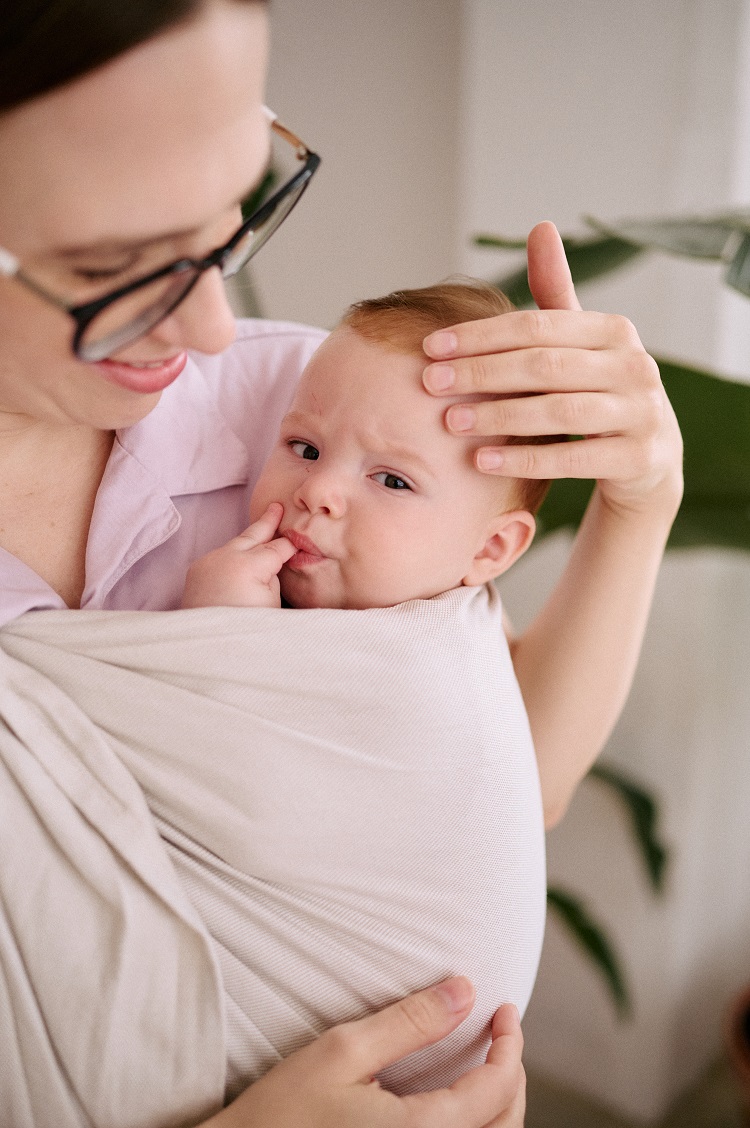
pixel 282 131
pixel 9 264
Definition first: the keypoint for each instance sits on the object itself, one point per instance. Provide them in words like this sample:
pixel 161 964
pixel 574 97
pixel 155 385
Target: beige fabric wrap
pixel 223 830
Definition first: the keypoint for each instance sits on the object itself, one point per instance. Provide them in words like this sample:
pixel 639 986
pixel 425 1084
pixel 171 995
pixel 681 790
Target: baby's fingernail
pixel 457 993
pixel 441 344
pixel 461 418
pixel 489 459
pixel 439 377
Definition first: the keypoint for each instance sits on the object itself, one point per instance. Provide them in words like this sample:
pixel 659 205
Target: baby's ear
pixel 510 535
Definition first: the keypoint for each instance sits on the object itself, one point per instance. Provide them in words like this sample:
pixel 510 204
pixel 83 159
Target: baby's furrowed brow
pixel 407 458
pixel 296 419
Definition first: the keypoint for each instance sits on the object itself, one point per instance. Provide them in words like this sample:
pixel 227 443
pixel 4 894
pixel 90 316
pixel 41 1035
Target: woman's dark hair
pixel 46 43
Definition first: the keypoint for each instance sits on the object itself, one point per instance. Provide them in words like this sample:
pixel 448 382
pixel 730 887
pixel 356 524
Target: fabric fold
pixel 348 799
pixel 111 1010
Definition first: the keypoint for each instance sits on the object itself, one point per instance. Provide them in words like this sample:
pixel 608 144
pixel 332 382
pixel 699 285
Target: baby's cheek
pixel 267 489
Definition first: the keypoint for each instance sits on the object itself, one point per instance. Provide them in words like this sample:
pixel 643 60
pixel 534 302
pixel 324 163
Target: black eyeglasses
pixel 114 321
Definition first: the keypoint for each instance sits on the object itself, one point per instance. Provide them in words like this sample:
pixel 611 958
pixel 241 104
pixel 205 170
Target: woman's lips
pixel 307 551
pixel 145 380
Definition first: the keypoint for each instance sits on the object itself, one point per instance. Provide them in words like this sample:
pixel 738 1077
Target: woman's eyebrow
pixel 114 246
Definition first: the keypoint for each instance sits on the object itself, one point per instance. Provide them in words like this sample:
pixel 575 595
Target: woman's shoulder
pixel 242 391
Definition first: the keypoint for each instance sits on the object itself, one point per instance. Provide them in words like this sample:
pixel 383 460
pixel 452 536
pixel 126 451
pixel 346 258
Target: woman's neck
pixel 49 477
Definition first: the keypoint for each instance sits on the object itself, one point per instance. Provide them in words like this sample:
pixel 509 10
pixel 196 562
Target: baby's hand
pixel 244 572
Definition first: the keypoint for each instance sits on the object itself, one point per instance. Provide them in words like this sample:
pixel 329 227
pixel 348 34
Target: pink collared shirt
pixel 178 483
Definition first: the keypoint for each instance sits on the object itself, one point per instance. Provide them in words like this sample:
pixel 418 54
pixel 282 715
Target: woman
pixel 125 146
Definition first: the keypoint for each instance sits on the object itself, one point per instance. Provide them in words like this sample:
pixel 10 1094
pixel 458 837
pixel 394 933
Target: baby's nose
pixel 321 493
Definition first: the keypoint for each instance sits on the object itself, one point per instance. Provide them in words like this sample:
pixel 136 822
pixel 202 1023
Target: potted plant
pixel 714 416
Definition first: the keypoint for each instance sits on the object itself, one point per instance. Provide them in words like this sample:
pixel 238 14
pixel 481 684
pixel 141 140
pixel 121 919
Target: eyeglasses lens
pixel 251 243
pixel 125 320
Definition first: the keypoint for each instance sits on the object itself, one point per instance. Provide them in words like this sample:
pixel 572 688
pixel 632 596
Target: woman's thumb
pixel 374 1042
pixel 550 280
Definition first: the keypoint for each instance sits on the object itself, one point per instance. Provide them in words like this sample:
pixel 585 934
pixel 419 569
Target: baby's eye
pixel 391 481
pixel 304 450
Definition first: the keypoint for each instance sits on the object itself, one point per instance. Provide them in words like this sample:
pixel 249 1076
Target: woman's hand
pixel 329 1083
pixel 563 371
pixel 589 375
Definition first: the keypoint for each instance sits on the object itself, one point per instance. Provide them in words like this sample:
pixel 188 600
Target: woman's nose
pixel 321 492
pixel 203 321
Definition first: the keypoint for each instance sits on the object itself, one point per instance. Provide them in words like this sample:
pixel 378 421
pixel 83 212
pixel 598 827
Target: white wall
pixel 374 89
pixel 618 109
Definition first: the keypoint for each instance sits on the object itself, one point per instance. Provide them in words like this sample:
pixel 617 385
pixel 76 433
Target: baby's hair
pixel 401 320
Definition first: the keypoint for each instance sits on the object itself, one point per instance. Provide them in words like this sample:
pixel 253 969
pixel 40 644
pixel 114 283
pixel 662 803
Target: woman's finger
pixel 356 1051
pixel 577 413
pixel 515 1114
pixel 542 370
pixel 532 328
pixel 261 530
pixel 550 280
pixel 613 457
pixel 491 1093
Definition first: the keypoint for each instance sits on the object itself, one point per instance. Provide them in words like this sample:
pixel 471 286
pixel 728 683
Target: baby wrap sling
pixel 224 830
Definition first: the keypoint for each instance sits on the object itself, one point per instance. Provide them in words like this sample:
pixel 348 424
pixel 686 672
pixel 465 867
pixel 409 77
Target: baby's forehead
pixel 388 386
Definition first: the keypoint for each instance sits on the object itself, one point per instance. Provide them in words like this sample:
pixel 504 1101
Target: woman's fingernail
pixel 440 377
pixel 441 344
pixel 461 418
pixel 457 994
pixel 489 459
pixel 513 1015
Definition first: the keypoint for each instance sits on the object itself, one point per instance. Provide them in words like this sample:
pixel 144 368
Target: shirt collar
pixel 183 446
pixel 185 443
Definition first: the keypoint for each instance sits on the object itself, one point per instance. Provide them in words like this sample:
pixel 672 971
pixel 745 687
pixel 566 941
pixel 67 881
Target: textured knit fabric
pixel 349 798
pixel 111 1001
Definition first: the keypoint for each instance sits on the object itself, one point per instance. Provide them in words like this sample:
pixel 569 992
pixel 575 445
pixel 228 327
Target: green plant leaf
pixel 563 506
pixel 588 259
pixel 643 814
pixel 714 416
pixel 259 195
pixel 738 272
pixel 590 935
pixel 501 242
pixel 693 237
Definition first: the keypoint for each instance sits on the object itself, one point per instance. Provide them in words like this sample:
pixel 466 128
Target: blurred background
pixel 439 119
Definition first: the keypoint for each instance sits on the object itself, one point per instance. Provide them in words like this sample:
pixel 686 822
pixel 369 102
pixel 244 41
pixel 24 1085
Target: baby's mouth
pixel 307 552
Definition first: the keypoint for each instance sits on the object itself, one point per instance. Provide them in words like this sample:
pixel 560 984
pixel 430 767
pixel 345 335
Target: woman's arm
pixel 330 1081
pixel 575 663
pixel 590 376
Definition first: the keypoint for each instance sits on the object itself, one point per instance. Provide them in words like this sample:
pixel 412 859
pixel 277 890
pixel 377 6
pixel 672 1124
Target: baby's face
pixel 382 503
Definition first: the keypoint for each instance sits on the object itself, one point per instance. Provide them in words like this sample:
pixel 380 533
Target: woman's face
pixel 137 164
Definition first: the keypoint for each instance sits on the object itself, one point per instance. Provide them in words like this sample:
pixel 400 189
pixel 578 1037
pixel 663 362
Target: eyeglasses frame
pixel 84 314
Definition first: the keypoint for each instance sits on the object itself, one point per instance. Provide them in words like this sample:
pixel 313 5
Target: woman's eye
pixel 305 450
pixel 391 481
pixel 98 275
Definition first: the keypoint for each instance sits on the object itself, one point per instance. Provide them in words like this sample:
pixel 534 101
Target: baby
pixel 414 825
pixel 377 503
